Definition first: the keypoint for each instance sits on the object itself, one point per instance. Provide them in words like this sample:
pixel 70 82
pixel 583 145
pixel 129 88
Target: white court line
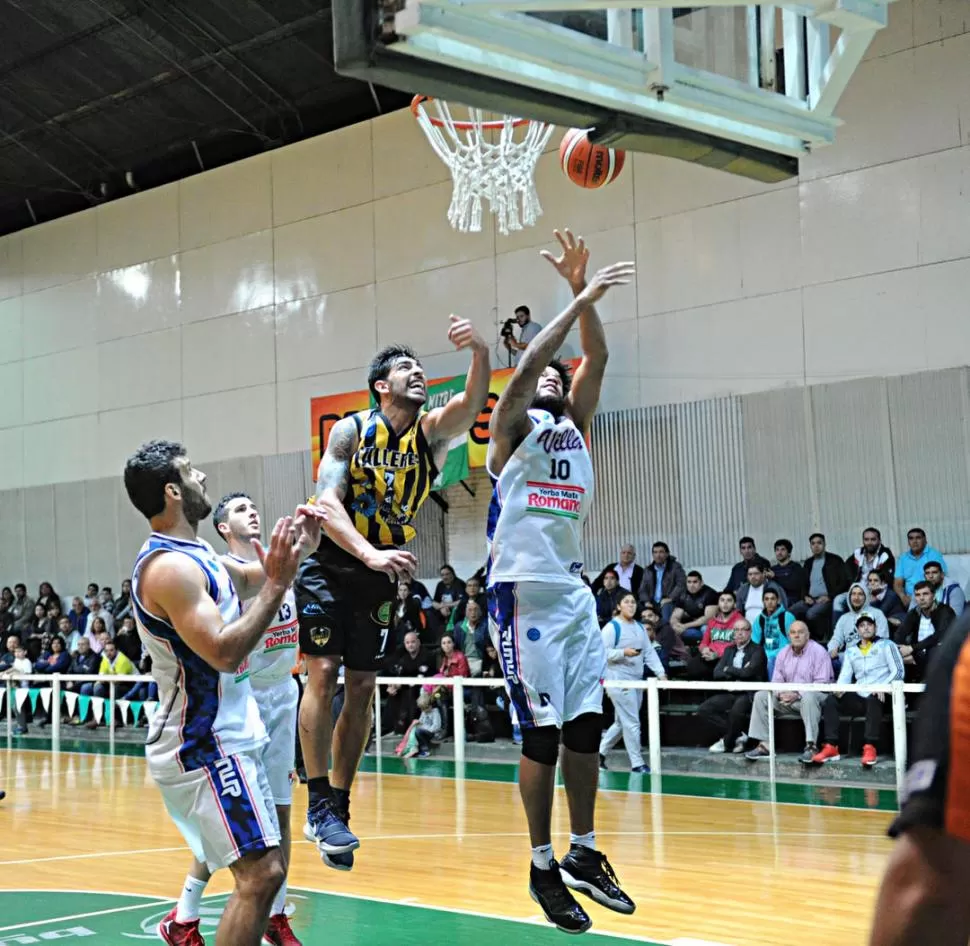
pixel 91 855
pixel 147 901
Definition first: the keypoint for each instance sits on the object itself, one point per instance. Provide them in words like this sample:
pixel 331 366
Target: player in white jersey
pixel 269 669
pixel 204 746
pixel 542 616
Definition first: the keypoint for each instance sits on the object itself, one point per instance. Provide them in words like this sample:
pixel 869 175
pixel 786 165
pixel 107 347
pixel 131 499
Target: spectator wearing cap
pixel 790 575
pixel 726 712
pixel 801 661
pixel 629 573
pixel 694 608
pixel 663 580
pixel 946 592
pixel 909 565
pixel 870 662
pixel 717 637
pixel 749 555
pixel 922 630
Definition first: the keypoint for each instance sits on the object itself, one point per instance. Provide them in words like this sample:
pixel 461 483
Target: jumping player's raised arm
pixel 333 481
pixel 174 588
pixel 584 393
pixel 510 420
pixel 458 415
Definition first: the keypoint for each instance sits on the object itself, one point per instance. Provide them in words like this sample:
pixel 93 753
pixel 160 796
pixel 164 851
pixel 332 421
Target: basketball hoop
pixel 502 172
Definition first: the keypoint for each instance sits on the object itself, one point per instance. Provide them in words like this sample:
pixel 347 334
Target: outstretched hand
pixel 619 274
pixel 462 334
pixel 281 558
pixel 572 264
pixel 307 523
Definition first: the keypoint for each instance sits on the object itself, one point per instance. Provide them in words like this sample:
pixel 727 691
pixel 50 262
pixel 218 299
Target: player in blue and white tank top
pixel 204 745
pixel 542 616
pixel 269 672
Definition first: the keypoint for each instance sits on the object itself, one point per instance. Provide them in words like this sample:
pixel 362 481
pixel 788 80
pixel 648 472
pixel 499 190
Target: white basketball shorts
pixel 551 651
pixel 224 810
pixel 278 708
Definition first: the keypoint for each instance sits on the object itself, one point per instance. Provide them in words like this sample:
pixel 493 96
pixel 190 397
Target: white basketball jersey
pixel 203 715
pixel 540 501
pixel 273 660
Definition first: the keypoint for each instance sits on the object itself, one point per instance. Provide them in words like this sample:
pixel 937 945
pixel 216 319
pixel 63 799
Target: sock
pixel 279 904
pixel 542 856
pixel 187 910
pixel 319 789
pixel 583 840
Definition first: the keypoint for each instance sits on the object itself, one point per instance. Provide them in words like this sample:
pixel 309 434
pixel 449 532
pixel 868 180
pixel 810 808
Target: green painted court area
pixel 100 919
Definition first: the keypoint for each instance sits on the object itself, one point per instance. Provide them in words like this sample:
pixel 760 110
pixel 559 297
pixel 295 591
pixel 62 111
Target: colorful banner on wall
pixel 467 451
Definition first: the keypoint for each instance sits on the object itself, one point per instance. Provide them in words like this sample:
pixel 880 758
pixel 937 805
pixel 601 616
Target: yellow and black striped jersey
pixel 390 477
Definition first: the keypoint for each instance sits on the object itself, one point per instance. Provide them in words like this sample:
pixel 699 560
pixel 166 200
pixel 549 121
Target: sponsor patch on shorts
pixel 320 635
pixel 533 634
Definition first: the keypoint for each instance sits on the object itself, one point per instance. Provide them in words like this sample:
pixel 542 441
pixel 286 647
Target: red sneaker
pixel 279 933
pixel 828 753
pixel 180 934
pixel 868 755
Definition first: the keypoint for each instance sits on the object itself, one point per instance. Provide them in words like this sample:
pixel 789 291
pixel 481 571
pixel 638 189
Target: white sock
pixel 583 840
pixel 187 910
pixel 542 856
pixel 279 904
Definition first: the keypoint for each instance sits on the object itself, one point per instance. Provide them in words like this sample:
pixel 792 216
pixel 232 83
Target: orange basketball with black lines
pixel 586 164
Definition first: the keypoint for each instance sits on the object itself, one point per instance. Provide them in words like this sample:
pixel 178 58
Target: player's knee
pixel 360 686
pixel 541 744
pixel 263 877
pixel 583 733
pixel 322 676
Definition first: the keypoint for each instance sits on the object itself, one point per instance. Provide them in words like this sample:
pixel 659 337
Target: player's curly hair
pixel 383 363
pixel 148 471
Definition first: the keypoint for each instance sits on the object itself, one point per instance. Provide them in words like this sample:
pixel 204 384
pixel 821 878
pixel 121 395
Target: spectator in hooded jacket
pixel 770 628
pixel 922 630
pixel 871 556
pixel 881 596
pixel 846 632
pixel 718 636
pixel 664 580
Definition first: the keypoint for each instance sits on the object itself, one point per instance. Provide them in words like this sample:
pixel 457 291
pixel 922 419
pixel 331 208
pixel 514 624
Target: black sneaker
pixel 603 764
pixel 806 757
pixel 589 872
pixel 546 887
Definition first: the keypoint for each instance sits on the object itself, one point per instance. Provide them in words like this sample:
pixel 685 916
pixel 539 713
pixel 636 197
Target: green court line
pixel 693 786
pixel 102 919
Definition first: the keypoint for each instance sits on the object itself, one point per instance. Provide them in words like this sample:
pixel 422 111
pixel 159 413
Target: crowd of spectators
pixel 868 618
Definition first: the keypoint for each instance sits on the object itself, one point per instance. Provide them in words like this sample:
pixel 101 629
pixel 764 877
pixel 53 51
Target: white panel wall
pixel 212 309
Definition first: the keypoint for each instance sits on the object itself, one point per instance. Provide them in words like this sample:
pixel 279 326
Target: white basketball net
pixel 499 171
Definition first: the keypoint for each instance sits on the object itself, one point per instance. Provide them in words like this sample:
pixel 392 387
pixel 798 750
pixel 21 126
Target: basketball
pixel 586 164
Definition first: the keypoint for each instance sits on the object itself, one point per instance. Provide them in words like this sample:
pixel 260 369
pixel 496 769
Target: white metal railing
pixel 896 691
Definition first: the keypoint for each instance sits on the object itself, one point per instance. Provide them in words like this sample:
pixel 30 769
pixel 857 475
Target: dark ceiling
pixel 99 97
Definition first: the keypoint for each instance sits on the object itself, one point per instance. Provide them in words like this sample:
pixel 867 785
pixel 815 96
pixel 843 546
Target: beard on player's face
pixel 195 503
pixel 554 404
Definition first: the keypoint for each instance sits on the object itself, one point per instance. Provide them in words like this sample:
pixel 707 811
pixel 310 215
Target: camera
pixel 508 328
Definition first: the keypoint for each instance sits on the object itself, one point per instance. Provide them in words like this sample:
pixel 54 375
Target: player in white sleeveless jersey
pixel 269 669
pixel 204 746
pixel 542 616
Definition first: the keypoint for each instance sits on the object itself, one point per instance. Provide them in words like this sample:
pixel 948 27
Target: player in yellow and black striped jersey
pixel 377 470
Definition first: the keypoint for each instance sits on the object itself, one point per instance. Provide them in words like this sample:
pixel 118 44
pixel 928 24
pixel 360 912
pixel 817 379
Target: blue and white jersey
pixel 203 715
pixel 540 502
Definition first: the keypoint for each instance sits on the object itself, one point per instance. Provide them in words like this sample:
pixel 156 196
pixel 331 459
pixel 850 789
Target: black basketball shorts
pixel 344 608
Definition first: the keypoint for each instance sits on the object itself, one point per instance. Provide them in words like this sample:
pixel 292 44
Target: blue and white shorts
pixel 278 709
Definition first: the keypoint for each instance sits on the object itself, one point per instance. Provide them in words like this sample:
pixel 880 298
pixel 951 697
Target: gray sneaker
pixel 760 751
pixel 806 757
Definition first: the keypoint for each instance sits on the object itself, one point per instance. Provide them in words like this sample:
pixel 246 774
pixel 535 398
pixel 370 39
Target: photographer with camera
pixel 529 331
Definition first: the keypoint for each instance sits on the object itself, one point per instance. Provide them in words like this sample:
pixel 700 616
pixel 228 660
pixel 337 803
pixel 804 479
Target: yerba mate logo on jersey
pixel 381 458
pixel 284 639
pixel 242 671
pixel 553 440
pixel 551 499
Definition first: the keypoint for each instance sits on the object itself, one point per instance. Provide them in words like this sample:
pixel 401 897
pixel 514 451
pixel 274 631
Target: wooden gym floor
pixel 443 859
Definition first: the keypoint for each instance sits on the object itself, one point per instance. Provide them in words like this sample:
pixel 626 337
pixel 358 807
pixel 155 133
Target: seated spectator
pixel 881 596
pixel 751 593
pixel 790 575
pixel 453 661
pixel 718 636
pixel 10 654
pixel 33 632
pixel 6 618
pixel 608 596
pixel 749 556
pixel 871 556
pixel 143 691
pixel 727 713
pixel 84 663
pixel 846 632
pixel 412 660
pixel 46 595
pixel 663 580
pixel 21 664
pixel 770 628
pixel 628 573
pixel 826 581
pixel 693 609
pixel 128 641
pixel 473 592
pixel 922 630
pixel 662 637
pixel 97 634
pixel 22 607
pixel 945 592
pixel 78 615
pixel 801 661
pixel 407 614
pixel 91 594
pixel 53 621
pixel 122 606
pixel 97 612
pixel 113 664
pixel 71 637
pixel 471 635
pixel 447 594
pixel 54 658
pixel 909 565
pixel 870 662
pixel 629 651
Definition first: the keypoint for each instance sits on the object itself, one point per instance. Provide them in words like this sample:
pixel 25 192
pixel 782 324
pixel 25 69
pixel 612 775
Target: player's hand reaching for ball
pixel 395 563
pixel 462 334
pixel 572 264
pixel 281 557
pixel 308 523
pixel 619 274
